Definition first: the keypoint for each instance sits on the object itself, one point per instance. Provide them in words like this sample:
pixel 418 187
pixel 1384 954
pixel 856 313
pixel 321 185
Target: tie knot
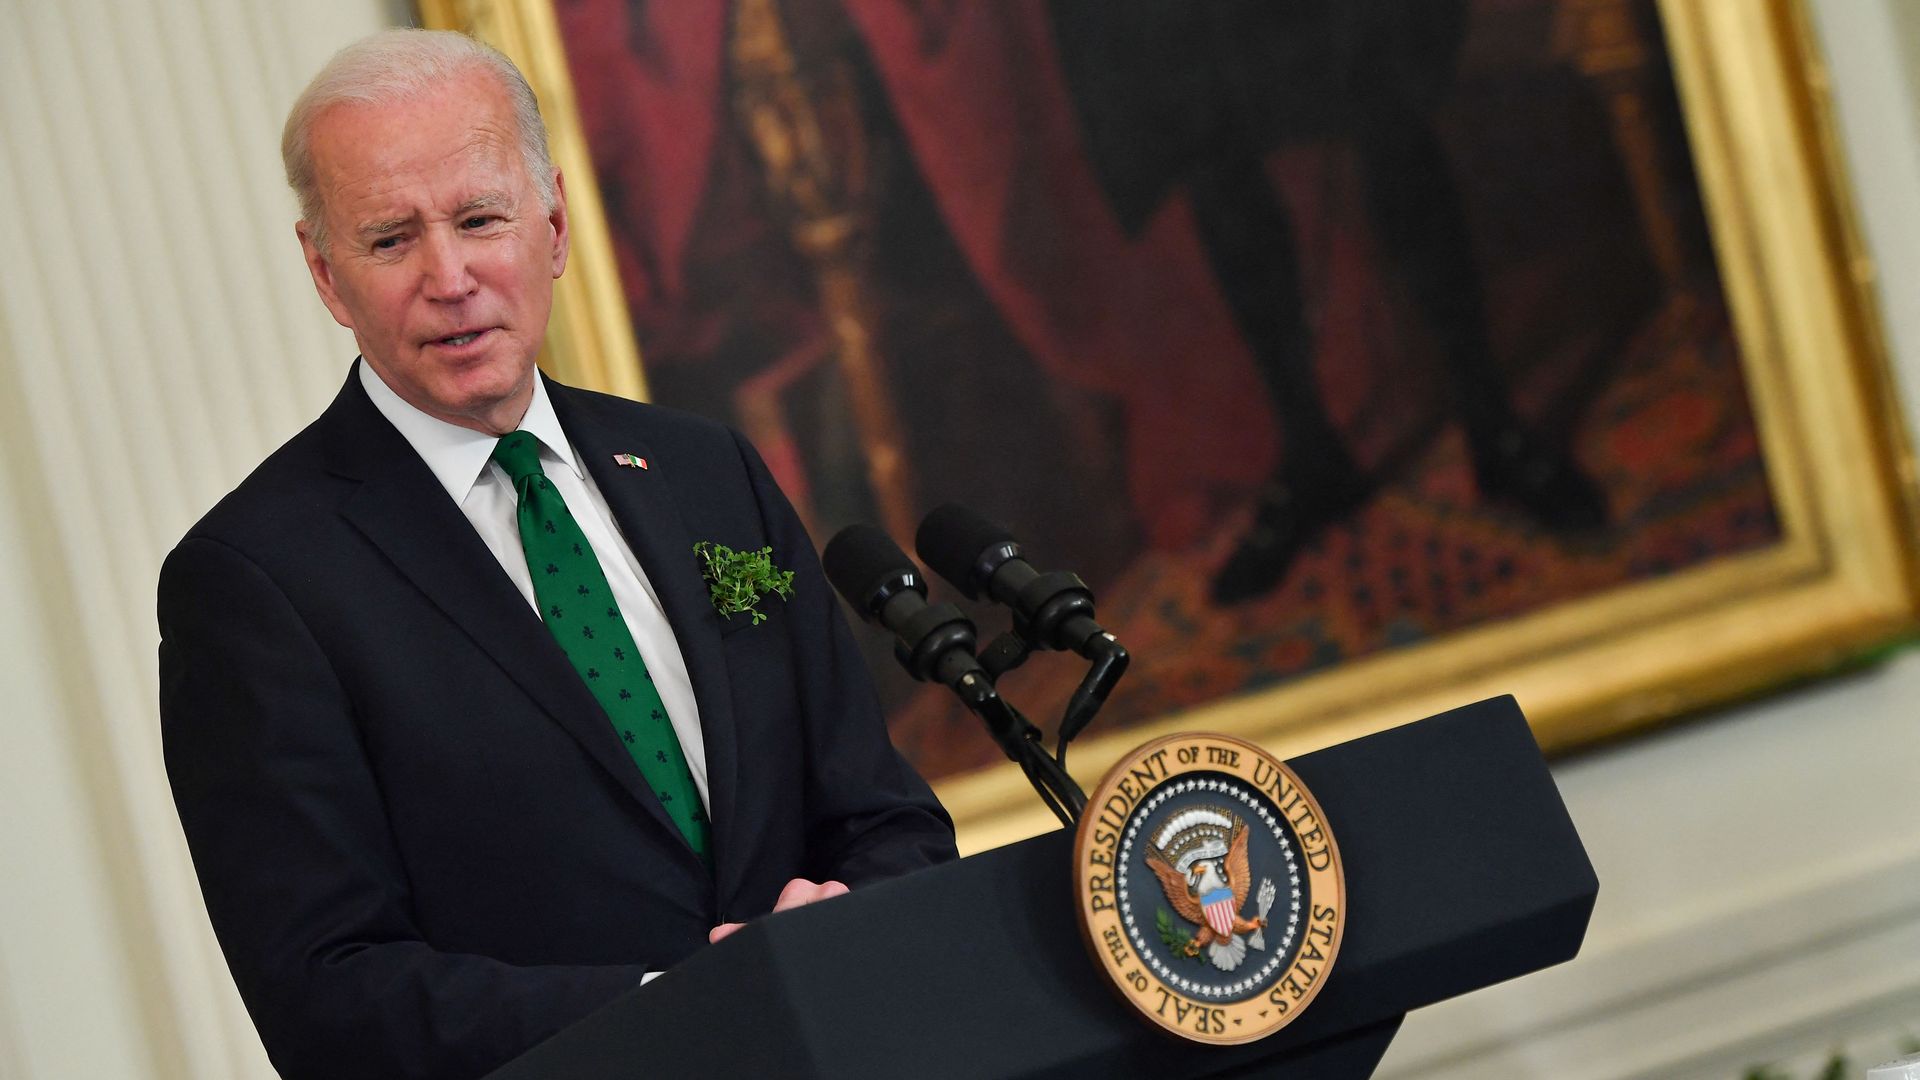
pixel 519 454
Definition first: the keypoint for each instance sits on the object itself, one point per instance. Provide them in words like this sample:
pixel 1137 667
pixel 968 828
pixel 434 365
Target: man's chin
pixel 497 410
pixel 481 398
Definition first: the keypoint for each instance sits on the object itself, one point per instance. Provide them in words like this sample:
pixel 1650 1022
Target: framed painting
pixel 1365 358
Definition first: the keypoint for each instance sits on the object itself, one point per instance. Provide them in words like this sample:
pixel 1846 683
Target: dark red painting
pixel 1301 331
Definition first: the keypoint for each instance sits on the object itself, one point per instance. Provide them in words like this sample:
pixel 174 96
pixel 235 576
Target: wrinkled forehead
pixel 440 149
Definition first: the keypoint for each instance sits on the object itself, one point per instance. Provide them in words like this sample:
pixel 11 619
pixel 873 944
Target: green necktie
pixel 578 608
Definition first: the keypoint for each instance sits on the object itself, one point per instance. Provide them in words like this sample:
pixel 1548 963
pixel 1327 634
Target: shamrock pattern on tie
pixel 604 655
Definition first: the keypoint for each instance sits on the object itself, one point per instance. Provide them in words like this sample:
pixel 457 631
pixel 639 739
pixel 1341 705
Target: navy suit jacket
pixel 422 847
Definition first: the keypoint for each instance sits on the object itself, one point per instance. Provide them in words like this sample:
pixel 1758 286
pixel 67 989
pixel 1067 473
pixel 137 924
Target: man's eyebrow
pixel 380 228
pixel 492 200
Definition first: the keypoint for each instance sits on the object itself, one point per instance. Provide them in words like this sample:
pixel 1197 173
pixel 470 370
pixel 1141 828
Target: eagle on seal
pixel 1201 861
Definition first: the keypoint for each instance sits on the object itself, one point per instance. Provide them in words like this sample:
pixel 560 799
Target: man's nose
pixel 444 270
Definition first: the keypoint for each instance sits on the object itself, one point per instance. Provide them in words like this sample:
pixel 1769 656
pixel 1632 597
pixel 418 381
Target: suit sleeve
pixel 301 876
pixel 869 813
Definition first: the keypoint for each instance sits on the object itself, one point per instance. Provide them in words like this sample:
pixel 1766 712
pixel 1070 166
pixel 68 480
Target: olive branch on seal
pixel 1172 936
pixel 738 580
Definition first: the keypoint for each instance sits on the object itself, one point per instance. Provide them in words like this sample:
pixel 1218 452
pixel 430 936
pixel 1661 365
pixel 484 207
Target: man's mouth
pixel 458 340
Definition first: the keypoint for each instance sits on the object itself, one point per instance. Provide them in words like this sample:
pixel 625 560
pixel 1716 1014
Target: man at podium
pixel 485 697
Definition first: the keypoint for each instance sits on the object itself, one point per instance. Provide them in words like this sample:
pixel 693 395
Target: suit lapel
pixel 654 529
pixel 404 511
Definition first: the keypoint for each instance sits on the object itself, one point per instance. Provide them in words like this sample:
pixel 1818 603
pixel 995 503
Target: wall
pixel 1761 883
pixel 148 285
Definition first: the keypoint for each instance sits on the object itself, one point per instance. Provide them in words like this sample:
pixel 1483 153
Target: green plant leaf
pixel 738 580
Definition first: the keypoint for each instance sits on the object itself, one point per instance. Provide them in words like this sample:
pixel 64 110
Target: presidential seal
pixel 1209 887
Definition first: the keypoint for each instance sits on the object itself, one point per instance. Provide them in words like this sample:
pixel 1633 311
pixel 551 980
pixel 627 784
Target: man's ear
pixel 322 271
pixel 558 220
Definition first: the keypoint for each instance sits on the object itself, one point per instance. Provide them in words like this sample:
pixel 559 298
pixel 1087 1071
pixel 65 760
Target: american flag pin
pixel 631 461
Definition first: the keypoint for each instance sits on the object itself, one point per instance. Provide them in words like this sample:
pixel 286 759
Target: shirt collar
pixel 458 456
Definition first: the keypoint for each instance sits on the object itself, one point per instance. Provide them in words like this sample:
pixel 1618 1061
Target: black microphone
pixel 934 642
pixel 981 558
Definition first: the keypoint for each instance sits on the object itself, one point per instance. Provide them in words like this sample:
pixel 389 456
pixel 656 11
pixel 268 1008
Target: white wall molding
pixel 159 336
pixel 12 1066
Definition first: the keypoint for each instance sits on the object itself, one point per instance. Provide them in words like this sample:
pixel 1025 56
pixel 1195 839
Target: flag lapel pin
pixel 631 461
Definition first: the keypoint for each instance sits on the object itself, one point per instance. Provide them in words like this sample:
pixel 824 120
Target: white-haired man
pixel 460 743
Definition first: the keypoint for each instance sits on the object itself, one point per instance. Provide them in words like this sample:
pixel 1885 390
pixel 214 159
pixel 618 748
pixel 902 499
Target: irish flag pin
pixel 631 461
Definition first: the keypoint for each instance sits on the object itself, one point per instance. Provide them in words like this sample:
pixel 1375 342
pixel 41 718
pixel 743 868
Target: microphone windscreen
pixel 950 541
pixel 860 560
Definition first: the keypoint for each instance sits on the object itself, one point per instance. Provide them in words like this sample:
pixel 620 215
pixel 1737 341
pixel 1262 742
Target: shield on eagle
pixel 1219 906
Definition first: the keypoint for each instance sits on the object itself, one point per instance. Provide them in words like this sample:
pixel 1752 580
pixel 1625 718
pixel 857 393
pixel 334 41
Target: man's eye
pixel 478 221
pixel 386 243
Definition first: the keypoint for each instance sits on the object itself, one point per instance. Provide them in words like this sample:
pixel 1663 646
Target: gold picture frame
pixel 1842 581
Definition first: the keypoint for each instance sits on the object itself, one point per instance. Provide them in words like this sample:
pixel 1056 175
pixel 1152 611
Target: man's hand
pixel 799 891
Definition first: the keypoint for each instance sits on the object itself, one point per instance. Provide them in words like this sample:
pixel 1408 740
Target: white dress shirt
pixel 461 459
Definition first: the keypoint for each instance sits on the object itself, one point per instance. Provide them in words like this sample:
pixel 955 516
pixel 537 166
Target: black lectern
pixel 1462 867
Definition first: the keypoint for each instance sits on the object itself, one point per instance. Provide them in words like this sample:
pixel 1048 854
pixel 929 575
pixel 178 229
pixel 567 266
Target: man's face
pixel 441 257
